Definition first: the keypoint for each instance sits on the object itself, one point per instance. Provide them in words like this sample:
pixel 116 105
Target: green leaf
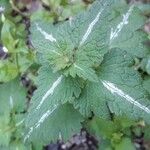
pixel 12 97
pixel 147 67
pixel 5 134
pixel 125 144
pixel 99 128
pixel 125 32
pixel 25 60
pixel 53 90
pixel 145 8
pixel 13 102
pixel 8 71
pixel 77 42
pixel 146 84
pixel 119 89
pixel 17 145
pixel 7 35
pixel 71 9
pixel 146 133
pixel 78 46
pixel 93 48
pixel 5 5
pixel 134 45
pixel 61 124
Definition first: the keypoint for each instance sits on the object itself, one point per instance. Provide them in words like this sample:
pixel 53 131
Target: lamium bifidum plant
pixel 87 69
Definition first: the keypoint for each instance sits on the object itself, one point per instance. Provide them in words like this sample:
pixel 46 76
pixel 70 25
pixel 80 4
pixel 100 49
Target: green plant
pixel 93 73
pixel 88 67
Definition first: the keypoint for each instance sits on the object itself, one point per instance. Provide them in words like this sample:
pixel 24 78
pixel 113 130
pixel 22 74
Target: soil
pixel 82 141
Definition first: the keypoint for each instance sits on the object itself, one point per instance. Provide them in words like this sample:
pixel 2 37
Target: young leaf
pixel 76 43
pixel 119 87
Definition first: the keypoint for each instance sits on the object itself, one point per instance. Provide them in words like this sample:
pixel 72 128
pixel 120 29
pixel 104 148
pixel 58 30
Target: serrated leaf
pixel 125 24
pixel 93 46
pixel 83 72
pixel 62 123
pixel 119 88
pixel 135 44
pixel 53 90
pixel 12 97
pixel 75 42
pixel 85 39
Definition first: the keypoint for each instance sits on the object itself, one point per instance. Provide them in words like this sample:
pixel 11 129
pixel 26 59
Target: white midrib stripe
pixel 120 26
pixel 48 112
pixel 46 35
pixel 115 90
pixel 40 121
pixel 19 123
pixel 45 116
pixel 49 37
pixel 50 91
pixel 76 66
pixel 11 102
pixel 91 26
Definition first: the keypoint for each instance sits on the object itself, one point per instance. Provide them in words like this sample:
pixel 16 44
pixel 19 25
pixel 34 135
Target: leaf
pixel 12 97
pixel 126 143
pixel 53 90
pixel 83 72
pixel 119 89
pixel 13 103
pixel 92 49
pixel 61 124
pixel 147 67
pixel 5 134
pixel 17 145
pixel 125 32
pixel 75 43
pixel 146 84
pixel 135 44
pixel 8 71
pixel 145 8
pixel 117 126
pixel 146 133
pixel 4 4
pixel 7 35
pixel 99 128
